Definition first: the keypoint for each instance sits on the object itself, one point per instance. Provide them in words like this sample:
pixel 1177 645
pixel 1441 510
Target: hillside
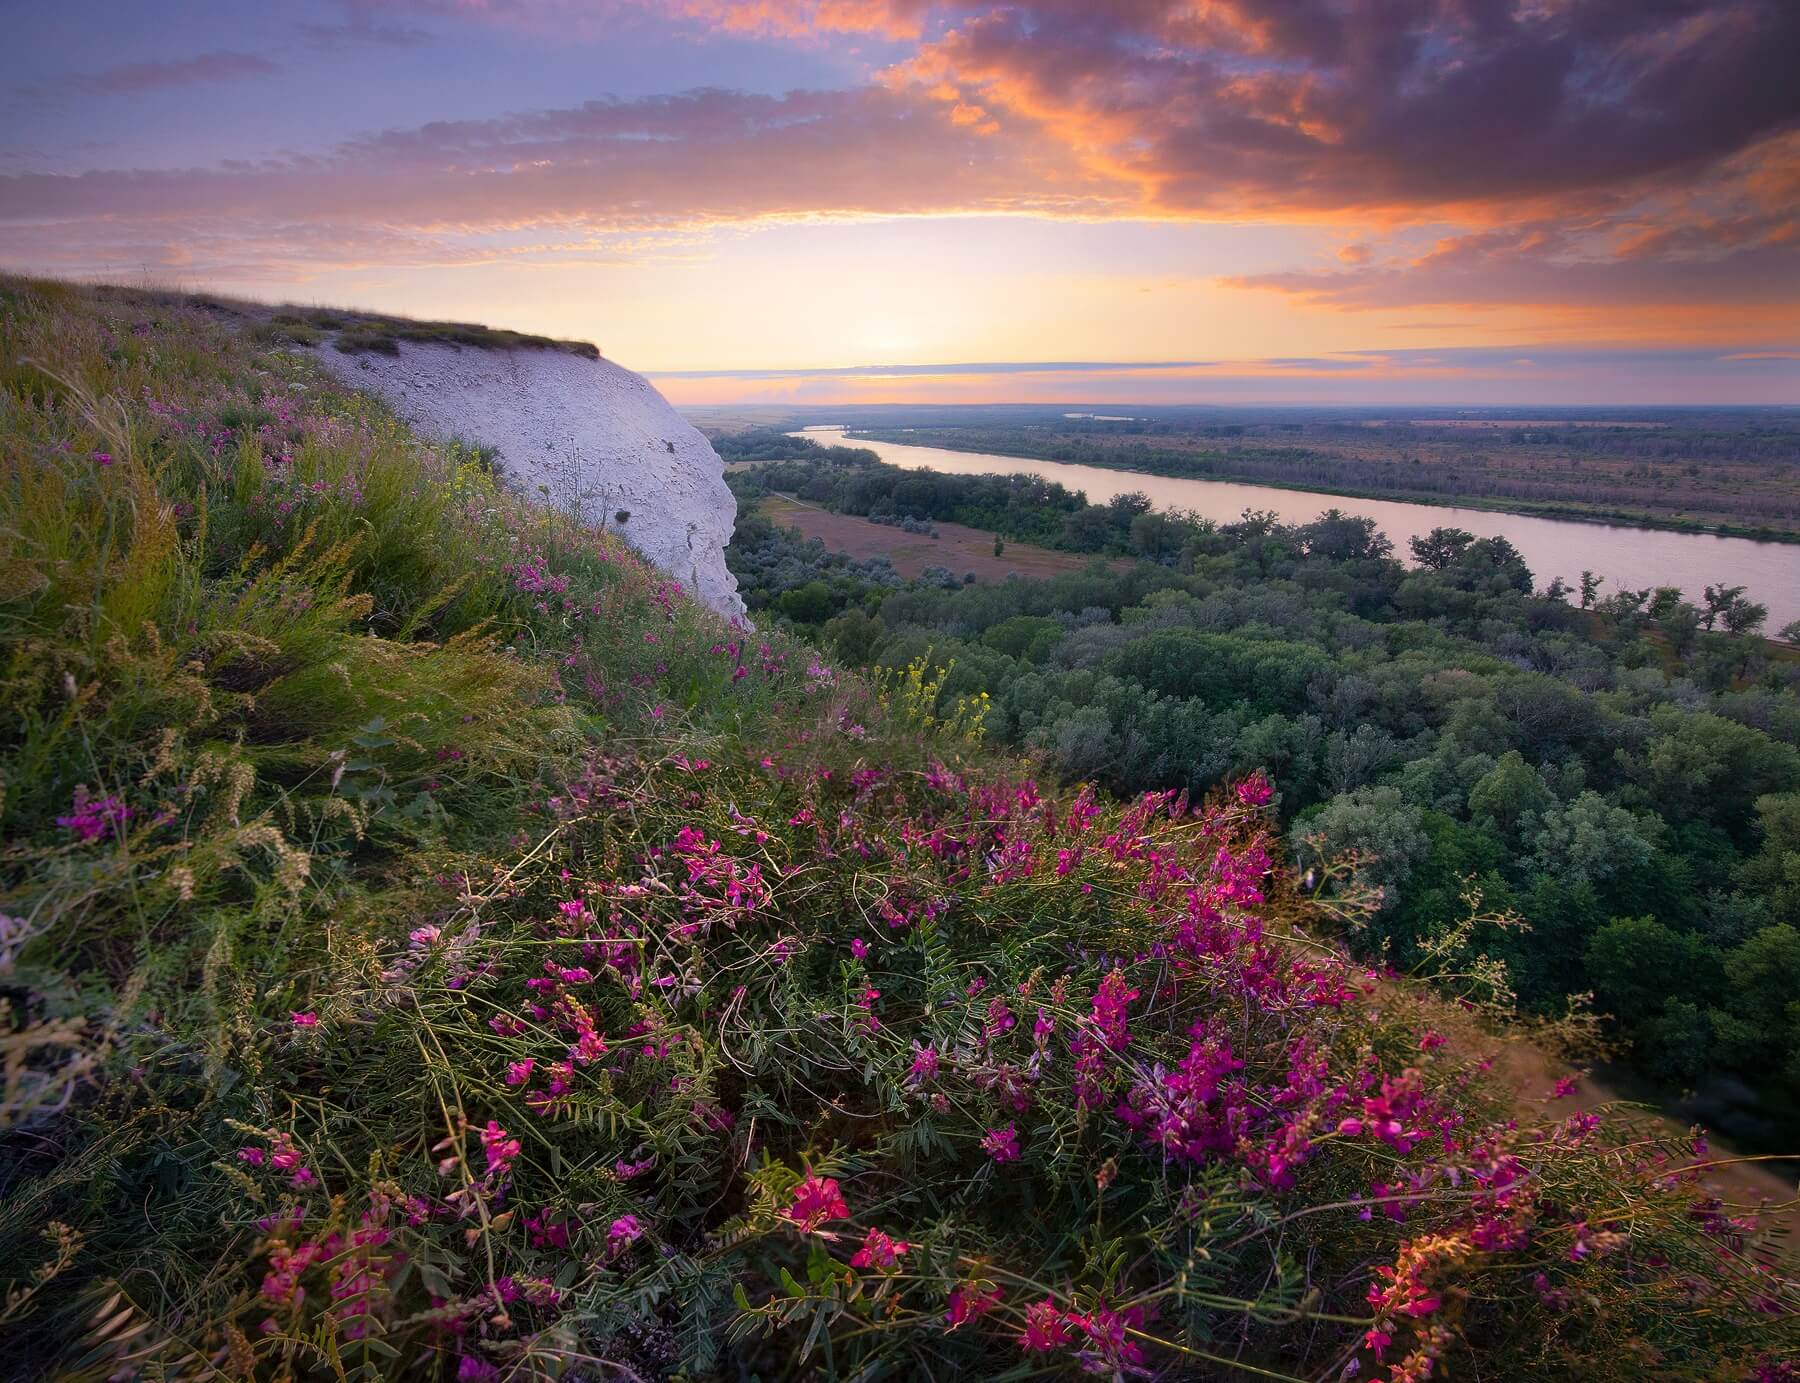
pixel 434 946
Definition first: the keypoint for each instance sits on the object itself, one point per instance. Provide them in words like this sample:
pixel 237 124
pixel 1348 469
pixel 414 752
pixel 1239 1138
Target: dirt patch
pixel 1764 1187
pixel 957 547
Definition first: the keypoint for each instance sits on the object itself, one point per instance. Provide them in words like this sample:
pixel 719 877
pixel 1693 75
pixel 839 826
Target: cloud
pixel 998 367
pixel 1396 108
pixel 1584 153
pixel 1469 375
pixel 661 163
pixel 359 29
pixel 1729 238
pixel 220 65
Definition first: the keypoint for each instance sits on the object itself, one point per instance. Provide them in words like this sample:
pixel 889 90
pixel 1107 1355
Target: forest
pixel 1608 782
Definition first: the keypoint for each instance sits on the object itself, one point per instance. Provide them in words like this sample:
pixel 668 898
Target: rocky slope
pixel 591 435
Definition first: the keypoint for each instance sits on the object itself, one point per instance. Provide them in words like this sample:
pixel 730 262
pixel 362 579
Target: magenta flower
pixel 970 1303
pixel 621 1234
pixel 880 1252
pixel 500 1147
pixel 520 1071
pixel 1111 1003
pixel 1046 1327
pixel 90 818
pixel 859 948
pixel 1002 1144
pixel 1255 791
pixel 816 1200
pixel 306 1019
pixel 924 1066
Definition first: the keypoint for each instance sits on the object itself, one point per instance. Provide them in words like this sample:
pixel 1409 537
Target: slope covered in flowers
pixel 434 948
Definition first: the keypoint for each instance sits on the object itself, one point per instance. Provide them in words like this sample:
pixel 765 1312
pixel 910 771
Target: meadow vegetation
pixel 432 946
pixel 1618 770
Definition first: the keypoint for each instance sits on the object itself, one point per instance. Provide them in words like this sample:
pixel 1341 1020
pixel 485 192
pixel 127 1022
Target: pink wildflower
pixel 924 1066
pixel 1046 1327
pixel 1002 1144
pixel 621 1234
pixel 520 1071
pixel 1255 791
pixel 307 1019
pixel 500 1147
pixel 970 1303
pixel 1111 1002
pixel 816 1200
pixel 880 1252
pixel 90 818
pixel 859 948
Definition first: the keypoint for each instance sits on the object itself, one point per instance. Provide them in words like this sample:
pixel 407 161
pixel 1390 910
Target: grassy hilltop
pixel 433 947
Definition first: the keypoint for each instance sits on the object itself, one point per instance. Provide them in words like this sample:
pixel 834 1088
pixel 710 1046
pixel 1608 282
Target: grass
pixel 431 946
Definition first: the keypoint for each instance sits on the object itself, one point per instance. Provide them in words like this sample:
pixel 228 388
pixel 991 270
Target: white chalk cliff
pixel 592 435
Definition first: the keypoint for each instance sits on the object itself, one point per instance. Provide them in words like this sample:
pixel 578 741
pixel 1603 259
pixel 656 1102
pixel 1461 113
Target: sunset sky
pixel 816 201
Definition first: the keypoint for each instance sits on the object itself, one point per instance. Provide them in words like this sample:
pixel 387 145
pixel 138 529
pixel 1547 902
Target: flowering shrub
pixel 640 996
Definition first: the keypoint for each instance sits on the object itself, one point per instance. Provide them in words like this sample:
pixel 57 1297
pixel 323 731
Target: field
pixel 957 547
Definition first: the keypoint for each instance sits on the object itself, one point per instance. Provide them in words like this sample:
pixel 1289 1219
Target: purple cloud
pixel 220 65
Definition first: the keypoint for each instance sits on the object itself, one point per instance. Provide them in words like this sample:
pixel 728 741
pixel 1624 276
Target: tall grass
pixel 431 946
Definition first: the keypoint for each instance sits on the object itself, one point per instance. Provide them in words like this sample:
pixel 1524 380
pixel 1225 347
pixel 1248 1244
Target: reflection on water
pixel 1633 557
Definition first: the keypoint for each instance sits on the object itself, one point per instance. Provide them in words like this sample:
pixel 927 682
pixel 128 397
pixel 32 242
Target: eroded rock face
pixel 597 438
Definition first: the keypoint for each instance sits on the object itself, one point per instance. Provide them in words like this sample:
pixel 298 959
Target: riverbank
pixel 1572 513
pixel 1623 557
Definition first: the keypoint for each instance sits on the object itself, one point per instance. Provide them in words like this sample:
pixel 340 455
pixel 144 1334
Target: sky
pixel 824 201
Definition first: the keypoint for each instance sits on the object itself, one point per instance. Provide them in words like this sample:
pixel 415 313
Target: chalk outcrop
pixel 583 434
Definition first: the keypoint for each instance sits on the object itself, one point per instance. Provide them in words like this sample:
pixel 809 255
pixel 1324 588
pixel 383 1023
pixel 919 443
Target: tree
pixel 1509 796
pixel 1774 871
pixel 1719 599
pixel 1589 841
pixel 1340 537
pixel 1761 1026
pixel 999 545
pixel 1789 632
pixel 1681 625
pixel 808 604
pixel 1590 584
pixel 1375 822
pixel 1440 547
pixel 1158 537
pixel 1744 616
pixel 1637 965
pixel 854 635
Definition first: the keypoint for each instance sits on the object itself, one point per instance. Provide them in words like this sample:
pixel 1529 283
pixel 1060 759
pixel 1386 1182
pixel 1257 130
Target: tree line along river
pixel 1623 555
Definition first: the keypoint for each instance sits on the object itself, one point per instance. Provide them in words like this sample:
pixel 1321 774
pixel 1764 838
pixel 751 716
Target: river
pixel 1625 556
